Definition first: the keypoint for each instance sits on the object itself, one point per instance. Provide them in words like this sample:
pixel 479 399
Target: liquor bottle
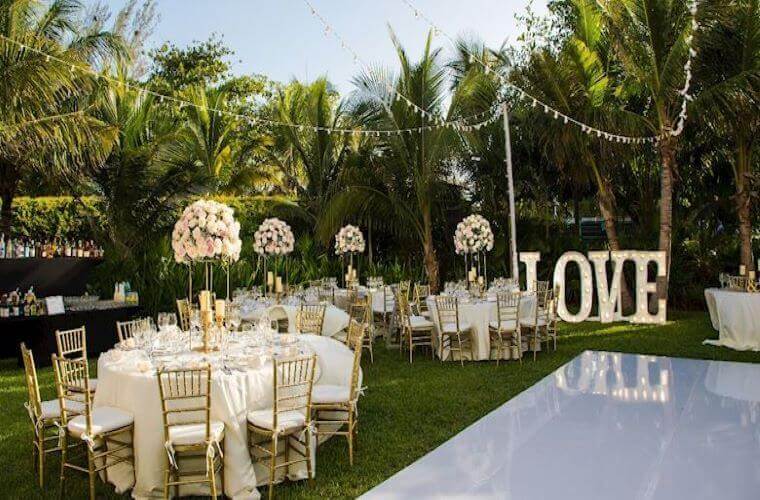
pixel 2 245
pixel 80 249
pixel 66 249
pixel 14 303
pixel 86 251
pixel 3 306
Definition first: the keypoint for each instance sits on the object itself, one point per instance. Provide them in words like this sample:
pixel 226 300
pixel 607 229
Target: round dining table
pixel 336 319
pixel 478 313
pixel 127 380
pixel 736 316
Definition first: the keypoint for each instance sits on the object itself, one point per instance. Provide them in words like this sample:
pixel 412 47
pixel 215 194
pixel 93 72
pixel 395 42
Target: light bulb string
pixel 459 124
pixel 558 115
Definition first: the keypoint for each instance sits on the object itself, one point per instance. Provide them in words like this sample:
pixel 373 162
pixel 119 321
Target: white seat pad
pixel 426 314
pixel 506 325
pixel 420 322
pixel 104 419
pixel 189 434
pixel 330 394
pixel 285 420
pixel 452 327
pixel 52 409
pixel 531 322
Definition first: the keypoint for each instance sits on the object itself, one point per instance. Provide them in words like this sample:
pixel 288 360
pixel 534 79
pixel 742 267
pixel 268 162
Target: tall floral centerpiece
pixel 207 233
pixel 349 241
pixel 473 239
pixel 274 238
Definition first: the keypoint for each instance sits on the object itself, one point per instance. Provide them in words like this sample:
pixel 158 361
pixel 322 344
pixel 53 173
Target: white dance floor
pixel 606 426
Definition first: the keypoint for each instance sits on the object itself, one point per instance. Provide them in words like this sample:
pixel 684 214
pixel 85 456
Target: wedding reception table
pixel 478 313
pixel 127 380
pixel 736 317
pixel 336 320
pixel 378 298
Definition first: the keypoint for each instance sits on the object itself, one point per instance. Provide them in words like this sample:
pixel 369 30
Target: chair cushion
pixel 285 420
pixel 426 314
pixel 531 322
pixel 420 322
pixel 189 434
pixel 452 327
pixel 324 394
pixel 104 419
pixel 52 409
pixel 506 325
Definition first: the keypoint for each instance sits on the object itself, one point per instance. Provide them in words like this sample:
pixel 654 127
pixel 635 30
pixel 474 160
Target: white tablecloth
pixel 336 320
pixel 123 385
pixel 478 314
pixel 736 316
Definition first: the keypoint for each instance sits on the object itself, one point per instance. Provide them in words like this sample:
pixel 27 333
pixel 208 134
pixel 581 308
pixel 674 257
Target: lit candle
pixel 270 278
pixel 480 280
pixel 204 299
pixel 752 275
pixel 219 306
pixel 278 286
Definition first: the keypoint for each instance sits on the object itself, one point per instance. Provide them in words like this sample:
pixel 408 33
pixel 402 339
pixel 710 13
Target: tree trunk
pixel 668 155
pixel 577 211
pixel 430 257
pixel 609 213
pixel 743 208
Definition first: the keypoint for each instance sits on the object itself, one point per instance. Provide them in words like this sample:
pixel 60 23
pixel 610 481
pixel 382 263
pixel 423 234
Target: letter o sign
pixel 587 292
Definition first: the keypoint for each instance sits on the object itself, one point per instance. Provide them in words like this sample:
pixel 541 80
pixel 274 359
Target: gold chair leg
pixel 41 457
pixel 91 472
pixel 307 451
pixel 62 479
pixel 272 466
pixel 350 437
pixel 167 478
pixel 212 473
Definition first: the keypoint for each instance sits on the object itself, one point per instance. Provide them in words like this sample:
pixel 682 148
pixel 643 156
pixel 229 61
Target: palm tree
pixel 729 103
pixel 412 167
pixel 650 39
pixel 309 162
pixel 139 184
pixel 579 81
pixel 45 126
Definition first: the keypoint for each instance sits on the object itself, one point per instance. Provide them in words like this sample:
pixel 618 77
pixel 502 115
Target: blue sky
pixel 281 39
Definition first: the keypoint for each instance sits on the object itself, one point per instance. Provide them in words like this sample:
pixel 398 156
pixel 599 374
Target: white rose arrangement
pixel 274 237
pixel 206 230
pixel 473 235
pixel 349 240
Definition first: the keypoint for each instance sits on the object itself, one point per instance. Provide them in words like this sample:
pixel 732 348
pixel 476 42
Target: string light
pixel 685 91
pixel 486 117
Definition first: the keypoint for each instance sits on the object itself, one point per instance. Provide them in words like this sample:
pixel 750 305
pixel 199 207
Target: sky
pixel 282 40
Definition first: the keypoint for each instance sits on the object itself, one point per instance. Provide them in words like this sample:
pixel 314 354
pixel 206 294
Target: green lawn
pixel 407 411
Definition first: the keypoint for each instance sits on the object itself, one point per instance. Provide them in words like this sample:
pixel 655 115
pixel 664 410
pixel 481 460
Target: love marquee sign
pixel 608 296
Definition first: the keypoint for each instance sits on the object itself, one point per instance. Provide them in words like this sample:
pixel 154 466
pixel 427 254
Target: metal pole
pixel 510 180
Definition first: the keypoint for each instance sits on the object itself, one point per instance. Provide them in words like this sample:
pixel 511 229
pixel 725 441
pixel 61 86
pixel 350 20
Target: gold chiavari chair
pixel 385 312
pixel 421 293
pixel 183 313
pixel 335 406
pixel 126 329
pixel 288 418
pixel 505 331
pixel 541 286
pixel 310 318
pixel 454 334
pixel 405 287
pixel 105 432
pixel 44 415
pixel 72 344
pixel 361 312
pixel 537 324
pixel 326 294
pixel 550 331
pixel 189 432
pixel 417 331
pixel 354 329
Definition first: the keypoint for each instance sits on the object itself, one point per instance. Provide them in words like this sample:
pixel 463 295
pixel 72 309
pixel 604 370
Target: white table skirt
pixel 122 385
pixel 736 316
pixel 336 320
pixel 478 315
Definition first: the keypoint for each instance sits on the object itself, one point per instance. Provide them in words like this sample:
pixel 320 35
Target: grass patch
pixel 407 411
